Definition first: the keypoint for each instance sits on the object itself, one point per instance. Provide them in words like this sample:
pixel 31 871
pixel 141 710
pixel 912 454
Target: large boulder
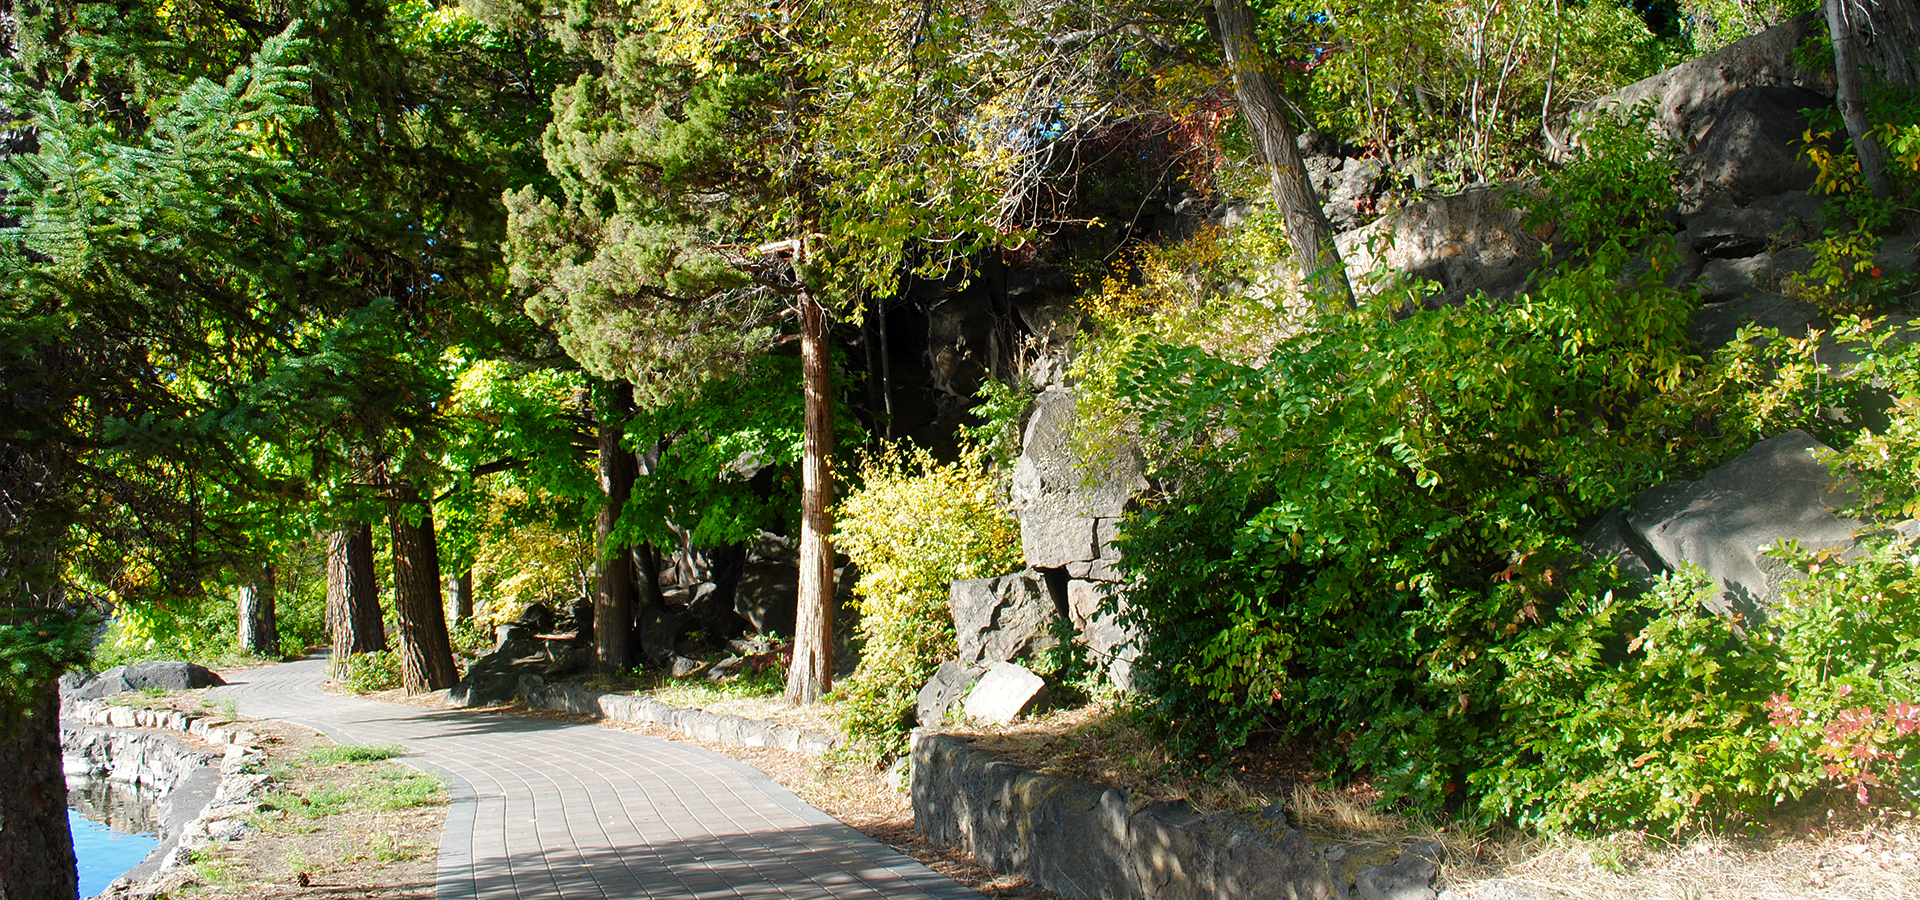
pixel 1754 148
pixel 1477 239
pixel 1000 619
pixel 1061 499
pixel 1687 99
pixel 1780 490
pixel 165 675
pixel 521 661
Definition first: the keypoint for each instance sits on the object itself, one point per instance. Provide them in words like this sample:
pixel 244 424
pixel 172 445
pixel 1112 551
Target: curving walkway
pixel 557 810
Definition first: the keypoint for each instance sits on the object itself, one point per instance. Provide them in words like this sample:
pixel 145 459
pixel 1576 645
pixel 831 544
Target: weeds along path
pixel 557 810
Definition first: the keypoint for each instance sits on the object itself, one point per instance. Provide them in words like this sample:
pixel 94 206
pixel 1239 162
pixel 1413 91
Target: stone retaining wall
pixel 715 728
pixel 1090 843
pixel 205 795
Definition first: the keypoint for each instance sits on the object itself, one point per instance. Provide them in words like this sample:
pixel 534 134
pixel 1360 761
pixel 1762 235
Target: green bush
pixel 365 673
pixel 1370 542
pixel 913 525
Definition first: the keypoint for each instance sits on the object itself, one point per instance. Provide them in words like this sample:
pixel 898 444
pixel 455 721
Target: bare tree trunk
pixel 1844 26
pixel 426 653
pixel 259 628
pixel 461 587
pixel 812 671
pixel 1265 111
pixel 613 601
pixel 353 598
pixel 1890 39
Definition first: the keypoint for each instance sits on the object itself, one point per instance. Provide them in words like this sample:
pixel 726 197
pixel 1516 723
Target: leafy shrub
pixel 1369 538
pixel 470 638
pixel 1619 710
pixel 913 525
pixel 365 673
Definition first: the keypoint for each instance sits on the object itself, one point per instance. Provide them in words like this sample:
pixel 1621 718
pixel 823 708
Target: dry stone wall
pixel 1089 843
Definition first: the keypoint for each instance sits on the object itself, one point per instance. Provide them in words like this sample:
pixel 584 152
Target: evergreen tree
pixel 725 174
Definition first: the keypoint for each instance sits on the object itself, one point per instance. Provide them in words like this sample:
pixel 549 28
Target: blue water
pixel 104 854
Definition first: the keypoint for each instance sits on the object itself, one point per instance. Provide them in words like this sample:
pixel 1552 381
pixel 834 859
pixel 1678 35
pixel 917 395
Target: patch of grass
pixel 354 753
pixel 696 691
pixel 153 693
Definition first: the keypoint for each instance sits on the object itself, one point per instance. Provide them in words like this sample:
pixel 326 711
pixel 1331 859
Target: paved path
pixel 557 810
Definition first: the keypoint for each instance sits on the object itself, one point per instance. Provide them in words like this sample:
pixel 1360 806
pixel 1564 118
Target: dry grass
pixel 1871 861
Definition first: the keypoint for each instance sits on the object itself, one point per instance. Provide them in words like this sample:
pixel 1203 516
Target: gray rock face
pixel 1000 619
pixel 1058 497
pixel 769 586
pixel 1409 877
pixel 1753 148
pixel 522 661
pixel 1779 490
pixel 164 675
pixel 1716 323
pixel 1687 98
pixel 1473 239
pixel 947 687
pixel 1006 692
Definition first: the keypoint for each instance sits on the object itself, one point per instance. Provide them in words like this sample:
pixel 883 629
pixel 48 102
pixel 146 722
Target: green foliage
pixel 1623 710
pixel 1616 189
pixel 1370 542
pixel 912 526
pixel 1465 85
pixel 354 753
pixel 999 407
pixel 728 457
pixel 36 645
pixel 366 673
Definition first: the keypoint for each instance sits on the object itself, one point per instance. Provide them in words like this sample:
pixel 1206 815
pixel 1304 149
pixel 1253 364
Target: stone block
pixel 1050 542
pixel 1409 877
pixel 1779 490
pixel 1105 532
pixel 1005 618
pixel 1004 693
pixel 947 687
pixel 1056 495
pixel 1716 323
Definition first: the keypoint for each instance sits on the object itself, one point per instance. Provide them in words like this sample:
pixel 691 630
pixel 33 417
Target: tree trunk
pixel 812 671
pixel 1844 24
pixel 259 629
pixel 353 598
pixel 461 587
pixel 426 653
pixel 613 601
pixel 36 846
pixel 1889 41
pixel 1265 111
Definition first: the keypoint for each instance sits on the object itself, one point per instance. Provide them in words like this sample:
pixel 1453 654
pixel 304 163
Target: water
pixel 113 830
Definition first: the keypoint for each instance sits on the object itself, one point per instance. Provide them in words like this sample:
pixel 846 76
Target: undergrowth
pixel 1368 539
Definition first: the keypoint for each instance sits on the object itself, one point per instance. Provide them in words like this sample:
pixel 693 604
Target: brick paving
pixel 545 809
